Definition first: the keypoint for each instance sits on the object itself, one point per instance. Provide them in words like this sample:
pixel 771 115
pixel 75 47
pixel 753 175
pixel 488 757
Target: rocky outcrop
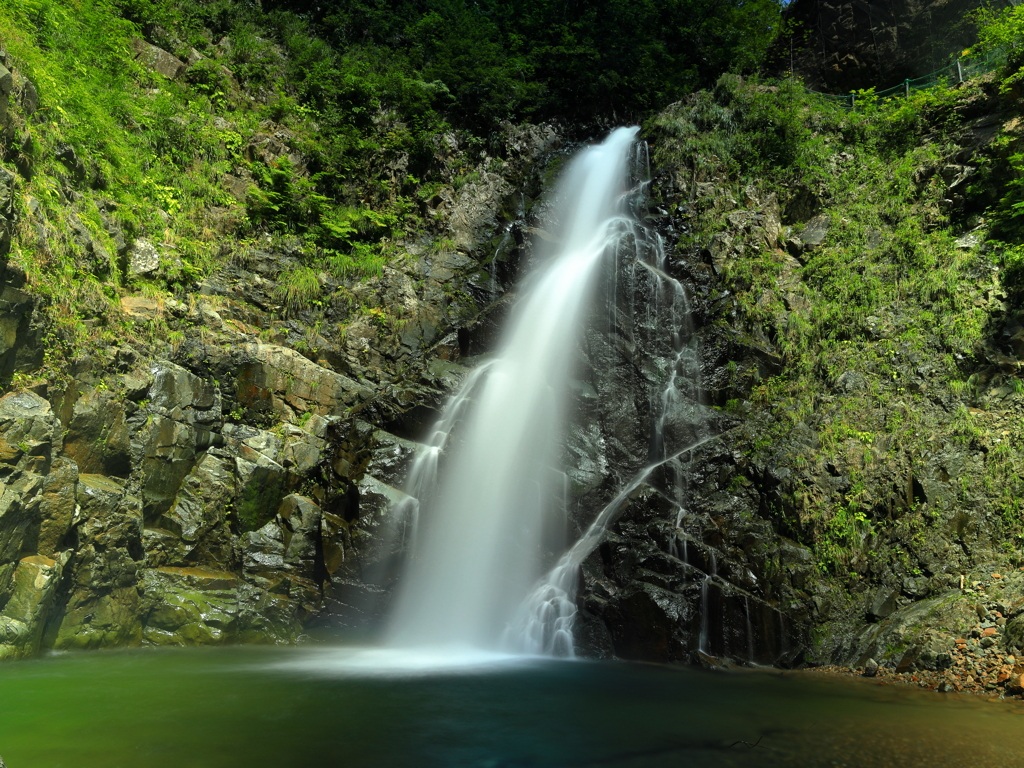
pixel 158 60
pixel 839 47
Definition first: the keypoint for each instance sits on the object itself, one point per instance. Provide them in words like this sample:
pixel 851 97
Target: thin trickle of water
pixel 784 640
pixel 492 265
pixel 750 629
pixel 705 588
pixel 558 587
pixel 482 521
pixel 677 536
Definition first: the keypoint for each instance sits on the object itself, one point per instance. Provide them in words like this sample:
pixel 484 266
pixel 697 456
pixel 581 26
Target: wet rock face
pixel 689 571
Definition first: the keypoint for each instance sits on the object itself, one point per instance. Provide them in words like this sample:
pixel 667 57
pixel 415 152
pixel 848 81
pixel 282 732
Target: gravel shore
pixel 1001 678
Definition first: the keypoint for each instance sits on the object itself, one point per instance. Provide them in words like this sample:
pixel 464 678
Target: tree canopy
pixel 513 59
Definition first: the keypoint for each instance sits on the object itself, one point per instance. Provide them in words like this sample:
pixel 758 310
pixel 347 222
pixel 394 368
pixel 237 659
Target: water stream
pixel 482 524
pixel 477 530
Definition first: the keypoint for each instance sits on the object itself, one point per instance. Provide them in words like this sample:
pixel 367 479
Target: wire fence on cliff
pixel 958 72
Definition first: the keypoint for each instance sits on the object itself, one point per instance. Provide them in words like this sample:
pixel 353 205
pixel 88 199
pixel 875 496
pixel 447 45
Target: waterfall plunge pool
pixel 306 707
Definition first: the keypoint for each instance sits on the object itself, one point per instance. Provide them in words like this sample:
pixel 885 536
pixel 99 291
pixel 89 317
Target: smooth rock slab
pixel 141 309
pixel 292 384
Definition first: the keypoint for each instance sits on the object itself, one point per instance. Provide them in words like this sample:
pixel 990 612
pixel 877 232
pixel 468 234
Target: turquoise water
pixel 250 707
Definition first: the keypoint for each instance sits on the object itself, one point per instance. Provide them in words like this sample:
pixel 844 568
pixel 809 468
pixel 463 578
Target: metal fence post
pixel 959 73
pixel 906 88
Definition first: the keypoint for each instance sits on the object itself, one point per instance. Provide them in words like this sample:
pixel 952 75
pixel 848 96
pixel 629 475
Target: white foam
pixel 400 662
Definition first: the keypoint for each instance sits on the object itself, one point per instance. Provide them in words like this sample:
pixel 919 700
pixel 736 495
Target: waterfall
pixel 544 622
pixel 494 503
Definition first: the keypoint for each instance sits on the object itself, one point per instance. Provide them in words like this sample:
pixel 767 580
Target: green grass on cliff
pixel 149 157
pixel 382 106
pixel 888 331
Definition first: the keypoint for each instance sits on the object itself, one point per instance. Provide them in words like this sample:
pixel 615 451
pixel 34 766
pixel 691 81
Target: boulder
pixel 29 98
pixel 177 424
pixel 57 501
pixel 261 486
pixel 35 583
pixel 97 436
pixel 198 515
pixel 189 606
pixel 141 308
pixel 165 452
pixel 290 384
pixel 263 550
pixel 21 347
pixel 143 258
pixel 157 59
pixel 475 209
pixel 17 513
pixel 27 427
pixel 301 533
pixel 815 231
pixel 183 395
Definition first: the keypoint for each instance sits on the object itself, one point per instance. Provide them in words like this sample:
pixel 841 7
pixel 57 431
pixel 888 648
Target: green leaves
pixel 510 59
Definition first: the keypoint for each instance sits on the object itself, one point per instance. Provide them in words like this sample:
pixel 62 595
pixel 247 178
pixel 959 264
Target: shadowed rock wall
pixel 842 46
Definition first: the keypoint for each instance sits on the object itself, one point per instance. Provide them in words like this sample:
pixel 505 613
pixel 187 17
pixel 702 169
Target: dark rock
pixel 29 98
pixel 103 607
pixel 97 436
pixel 883 604
pixel 815 231
pixel 190 606
pixel 874 44
pixel 1013 632
pixel 66 154
pixel 871 668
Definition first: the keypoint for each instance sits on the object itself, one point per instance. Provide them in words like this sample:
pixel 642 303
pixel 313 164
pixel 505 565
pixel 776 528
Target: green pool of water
pixel 323 707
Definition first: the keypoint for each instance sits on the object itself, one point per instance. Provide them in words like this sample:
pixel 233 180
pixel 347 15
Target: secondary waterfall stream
pixel 478 528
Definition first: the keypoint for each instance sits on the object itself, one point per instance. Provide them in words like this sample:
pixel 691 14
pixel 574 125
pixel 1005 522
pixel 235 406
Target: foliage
pixel 888 295
pixel 385 103
pixel 299 286
pixel 1001 36
pixel 511 59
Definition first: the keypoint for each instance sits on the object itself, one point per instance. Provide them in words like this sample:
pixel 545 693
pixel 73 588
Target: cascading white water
pixel 544 622
pixel 480 535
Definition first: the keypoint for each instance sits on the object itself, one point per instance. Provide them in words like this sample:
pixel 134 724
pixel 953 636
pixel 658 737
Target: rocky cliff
pixel 840 47
pixel 860 498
